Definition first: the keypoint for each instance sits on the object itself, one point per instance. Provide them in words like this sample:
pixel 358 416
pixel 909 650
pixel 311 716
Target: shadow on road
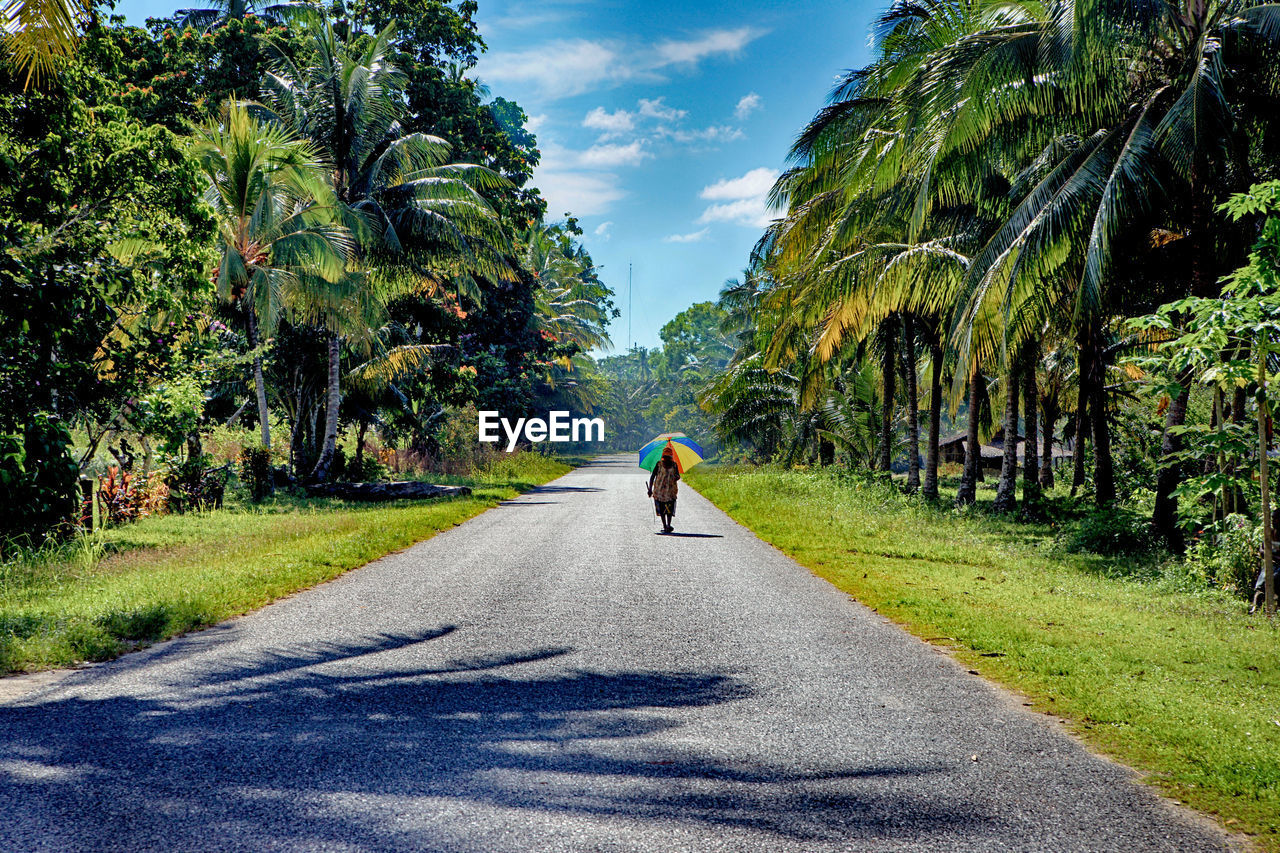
pixel 677 533
pixel 310 748
pixel 556 490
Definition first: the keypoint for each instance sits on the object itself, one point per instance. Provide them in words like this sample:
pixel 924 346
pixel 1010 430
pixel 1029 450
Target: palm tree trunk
pixel 1081 425
pixel 1104 480
pixel 886 410
pixel 913 408
pixel 968 491
pixel 1264 448
pixel 259 382
pixel 1049 411
pixel 1237 418
pixel 935 422
pixel 321 473
pixel 1007 490
pixel 1164 518
pixel 364 427
pixel 1031 447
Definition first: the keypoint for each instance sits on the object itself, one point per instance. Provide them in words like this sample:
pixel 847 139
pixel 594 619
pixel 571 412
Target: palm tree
pixel 1012 132
pixel 276 227
pixel 865 181
pixel 219 12
pixel 36 34
pixel 568 300
pixel 1138 110
pixel 420 221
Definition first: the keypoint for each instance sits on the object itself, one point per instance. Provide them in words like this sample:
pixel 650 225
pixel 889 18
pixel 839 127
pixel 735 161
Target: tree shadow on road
pixel 557 490
pixel 344 745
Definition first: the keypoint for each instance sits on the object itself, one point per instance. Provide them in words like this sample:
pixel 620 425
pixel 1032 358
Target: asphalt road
pixel 553 676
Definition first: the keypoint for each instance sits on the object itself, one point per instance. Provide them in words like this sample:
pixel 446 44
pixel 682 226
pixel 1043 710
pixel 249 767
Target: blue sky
pixel 662 124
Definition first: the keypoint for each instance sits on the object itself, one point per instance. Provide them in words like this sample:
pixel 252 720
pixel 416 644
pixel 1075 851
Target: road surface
pixel 555 676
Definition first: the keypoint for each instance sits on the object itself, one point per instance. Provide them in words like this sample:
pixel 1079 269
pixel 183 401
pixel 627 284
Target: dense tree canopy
pixel 180 254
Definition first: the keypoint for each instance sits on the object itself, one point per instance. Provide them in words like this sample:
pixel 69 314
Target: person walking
pixel 663 488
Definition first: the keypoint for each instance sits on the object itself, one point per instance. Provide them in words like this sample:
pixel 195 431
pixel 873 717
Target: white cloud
pixel 610 124
pixel 655 108
pixel 566 67
pixel 570 189
pixel 749 103
pixel 579 193
pixel 744 211
pixel 609 155
pixel 520 20
pixel 558 69
pixel 695 237
pixel 533 124
pixel 757 182
pixel 743 197
pixel 602 230
pixel 689 51
pixel 715 133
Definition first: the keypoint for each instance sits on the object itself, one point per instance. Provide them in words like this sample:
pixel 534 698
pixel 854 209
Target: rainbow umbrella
pixel 687 451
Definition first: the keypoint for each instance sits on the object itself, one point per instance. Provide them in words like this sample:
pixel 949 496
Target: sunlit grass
pixel 1184 687
pixel 102 594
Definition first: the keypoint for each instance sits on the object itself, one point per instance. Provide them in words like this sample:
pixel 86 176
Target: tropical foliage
pixel 985 206
pixel 291 225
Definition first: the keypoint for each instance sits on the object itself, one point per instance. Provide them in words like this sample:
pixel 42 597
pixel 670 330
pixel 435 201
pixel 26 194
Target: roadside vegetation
pixel 105 592
pixel 1142 660
pixel 296 245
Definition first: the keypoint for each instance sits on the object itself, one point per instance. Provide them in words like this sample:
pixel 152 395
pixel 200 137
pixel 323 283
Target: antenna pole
pixel 633 343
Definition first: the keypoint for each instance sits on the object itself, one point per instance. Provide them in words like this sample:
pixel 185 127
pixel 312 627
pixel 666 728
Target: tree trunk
pixel 1031 448
pixel 360 433
pixel 1081 425
pixel 935 422
pixel 826 452
pixel 913 407
pixel 968 491
pixel 1104 480
pixel 259 383
pixel 886 410
pixel 1164 518
pixel 1007 489
pixel 1264 448
pixel 1237 417
pixel 1050 415
pixel 324 465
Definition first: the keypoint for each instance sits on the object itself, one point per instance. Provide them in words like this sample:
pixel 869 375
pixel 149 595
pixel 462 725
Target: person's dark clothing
pixel 663 480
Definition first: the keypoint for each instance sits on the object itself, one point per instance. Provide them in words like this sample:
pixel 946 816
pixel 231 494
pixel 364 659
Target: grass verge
pixel 1183 687
pixel 102 595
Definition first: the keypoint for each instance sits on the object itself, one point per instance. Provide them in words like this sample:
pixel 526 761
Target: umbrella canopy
pixel 687 451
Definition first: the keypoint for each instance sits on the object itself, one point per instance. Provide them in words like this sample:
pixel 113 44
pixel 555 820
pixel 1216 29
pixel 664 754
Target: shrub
pixel 366 470
pixel 1111 532
pixel 1226 555
pixel 194 485
pixel 155 496
pixel 457 451
pixel 256 472
pixel 39 481
pixel 120 499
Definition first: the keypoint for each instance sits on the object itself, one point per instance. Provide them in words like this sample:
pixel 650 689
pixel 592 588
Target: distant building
pixel 951 448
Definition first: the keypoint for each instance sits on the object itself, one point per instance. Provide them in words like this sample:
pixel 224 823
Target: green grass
pixel 99 596
pixel 1184 687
